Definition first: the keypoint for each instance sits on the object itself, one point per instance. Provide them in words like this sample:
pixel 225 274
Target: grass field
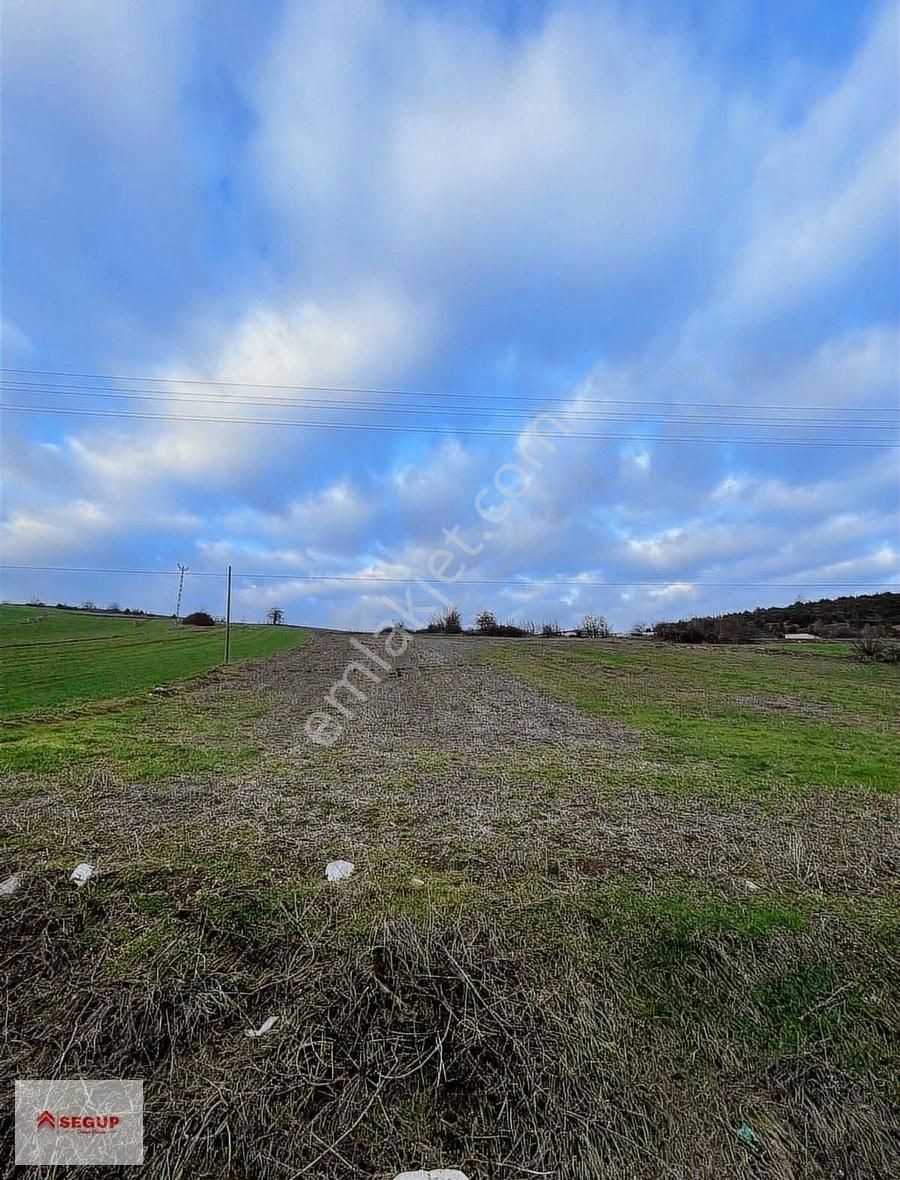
pixel 621 910
pixel 734 720
pixel 51 658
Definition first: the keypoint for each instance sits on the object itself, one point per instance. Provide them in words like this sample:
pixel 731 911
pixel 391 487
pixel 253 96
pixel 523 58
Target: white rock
pixel 437 1174
pixel 750 886
pixel 10 885
pixel 267 1025
pixel 82 873
pixel 339 870
pixel 416 882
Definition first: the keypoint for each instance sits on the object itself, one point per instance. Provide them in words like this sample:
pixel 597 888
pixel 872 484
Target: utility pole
pixel 228 615
pixel 183 569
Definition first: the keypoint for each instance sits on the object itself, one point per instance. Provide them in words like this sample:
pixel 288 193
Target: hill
pixel 55 657
pixel 842 617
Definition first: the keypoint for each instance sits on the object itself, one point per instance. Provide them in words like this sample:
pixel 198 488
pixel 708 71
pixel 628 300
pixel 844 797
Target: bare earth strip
pixel 449 760
pixel 545 964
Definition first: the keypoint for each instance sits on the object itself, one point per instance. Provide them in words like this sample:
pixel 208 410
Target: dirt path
pixel 462 766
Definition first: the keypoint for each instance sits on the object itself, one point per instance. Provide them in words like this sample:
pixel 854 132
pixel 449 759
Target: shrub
pixel 868 647
pixel 450 622
pixel 199 619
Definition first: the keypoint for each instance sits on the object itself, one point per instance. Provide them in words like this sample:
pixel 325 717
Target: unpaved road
pixel 457 766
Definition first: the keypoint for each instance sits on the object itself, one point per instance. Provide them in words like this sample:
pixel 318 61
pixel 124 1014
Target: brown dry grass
pixel 584 986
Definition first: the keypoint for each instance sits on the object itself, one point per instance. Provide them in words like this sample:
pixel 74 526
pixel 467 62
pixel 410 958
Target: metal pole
pixel 228 615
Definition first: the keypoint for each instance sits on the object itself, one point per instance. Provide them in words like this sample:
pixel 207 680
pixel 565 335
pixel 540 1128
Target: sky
pixel 670 226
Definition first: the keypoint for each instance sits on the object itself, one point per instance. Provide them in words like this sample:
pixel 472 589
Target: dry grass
pixel 509 1039
pixel 585 986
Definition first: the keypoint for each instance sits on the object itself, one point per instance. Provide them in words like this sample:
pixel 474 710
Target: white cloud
pixel 13 341
pixel 31 536
pixel 573 147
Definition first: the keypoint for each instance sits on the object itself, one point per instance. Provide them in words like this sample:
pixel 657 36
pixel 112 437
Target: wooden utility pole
pixel 183 569
pixel 228 615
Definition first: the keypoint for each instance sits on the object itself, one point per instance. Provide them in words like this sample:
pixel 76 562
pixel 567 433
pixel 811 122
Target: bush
pixel 199 619
pixel 450 622
pixel 870 647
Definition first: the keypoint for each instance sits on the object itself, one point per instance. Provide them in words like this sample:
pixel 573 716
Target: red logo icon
pixel 85 1124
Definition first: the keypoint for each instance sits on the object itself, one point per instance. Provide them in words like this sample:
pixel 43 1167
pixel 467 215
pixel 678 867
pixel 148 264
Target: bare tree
pixel 594 627
pixel 638 629
pixel 486 622
pixel 275 615
pixel 452 621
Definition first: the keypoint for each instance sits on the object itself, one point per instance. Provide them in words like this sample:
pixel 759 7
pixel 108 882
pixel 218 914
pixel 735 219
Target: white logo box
pixel 87 1121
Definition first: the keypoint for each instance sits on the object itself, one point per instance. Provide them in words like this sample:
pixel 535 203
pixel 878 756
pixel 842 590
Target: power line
pixel 516 583
pixel 446 430
pixel 477 411
pixel 403 392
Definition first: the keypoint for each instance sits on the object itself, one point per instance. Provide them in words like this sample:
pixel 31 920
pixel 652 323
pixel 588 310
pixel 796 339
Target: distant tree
pixel 34 601
pixel 638 629
pixel 200 618
pixel 275 616
pixel 486 622
pixel 452 621
pixel 88 605
pixel 114 606
pixel 449 623
pixel 550 629
pixel 594 627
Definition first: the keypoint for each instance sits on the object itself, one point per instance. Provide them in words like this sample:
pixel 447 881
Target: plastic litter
pixel 10 885
pixel 267 1025
pixel 745 1133
pixel 339 870
pixel 416 882
pixel 437 1174
pixel 82 873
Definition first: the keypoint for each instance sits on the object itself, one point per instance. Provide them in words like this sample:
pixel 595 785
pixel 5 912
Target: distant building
pixel 801 635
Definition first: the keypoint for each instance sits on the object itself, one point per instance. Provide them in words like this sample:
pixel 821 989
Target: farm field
pixel 619 910
pixel 56 657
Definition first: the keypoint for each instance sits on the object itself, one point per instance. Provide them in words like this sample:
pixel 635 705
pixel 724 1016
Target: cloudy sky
pixel 670 224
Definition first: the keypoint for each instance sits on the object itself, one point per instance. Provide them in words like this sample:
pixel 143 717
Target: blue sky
pixel 585 206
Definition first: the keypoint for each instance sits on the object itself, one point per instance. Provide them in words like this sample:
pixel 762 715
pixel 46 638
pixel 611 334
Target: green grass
pixel 733 720
pixel 54 658
pixel 136 741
